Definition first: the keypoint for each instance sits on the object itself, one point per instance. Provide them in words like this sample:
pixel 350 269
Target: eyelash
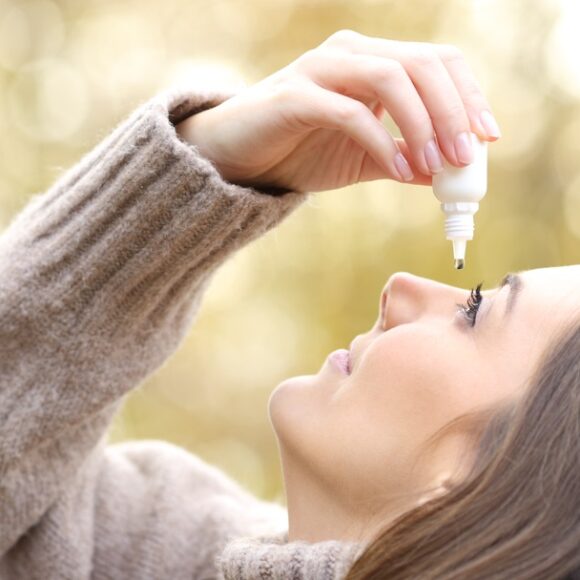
pixel 469 310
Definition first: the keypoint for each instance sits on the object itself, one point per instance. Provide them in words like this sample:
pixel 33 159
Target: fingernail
pixel 403 167
pixel 433 157
pixel 490 124
pixel 463 149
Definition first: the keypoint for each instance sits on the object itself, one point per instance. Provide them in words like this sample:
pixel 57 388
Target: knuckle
pixel 386 70
pixel 472 94
pixel 420 126
pixel 425 56
pixel 448 52
pixel 453 112
pixel 342 37
pixel 306 58
pixel 287 92
pixel 346 114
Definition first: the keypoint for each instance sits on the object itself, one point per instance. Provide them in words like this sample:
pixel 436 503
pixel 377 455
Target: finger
pixel 478 110
pixel 444 103
pixel 386 79
pixel 433 82
pixel 372 171
pixel 320 107
pixel 420 178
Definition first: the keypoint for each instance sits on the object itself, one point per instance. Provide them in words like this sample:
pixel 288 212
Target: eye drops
pixel 459 189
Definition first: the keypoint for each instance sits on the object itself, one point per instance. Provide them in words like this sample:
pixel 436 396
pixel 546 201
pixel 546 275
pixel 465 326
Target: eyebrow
pixel 515 283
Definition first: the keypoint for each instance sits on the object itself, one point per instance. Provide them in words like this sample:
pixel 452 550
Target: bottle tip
pixel 459 264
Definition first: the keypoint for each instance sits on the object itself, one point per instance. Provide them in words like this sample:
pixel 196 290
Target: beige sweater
pixel 100 279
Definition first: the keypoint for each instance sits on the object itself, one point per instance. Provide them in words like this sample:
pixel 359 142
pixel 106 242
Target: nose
pixel 406 298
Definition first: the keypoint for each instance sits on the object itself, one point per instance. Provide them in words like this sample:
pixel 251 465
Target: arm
pixel 100 278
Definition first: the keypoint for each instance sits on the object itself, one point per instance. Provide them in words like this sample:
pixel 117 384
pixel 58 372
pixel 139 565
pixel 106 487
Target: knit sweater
pixel 101 277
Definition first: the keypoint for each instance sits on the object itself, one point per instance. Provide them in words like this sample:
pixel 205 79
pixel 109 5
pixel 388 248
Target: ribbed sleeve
pixel 100 278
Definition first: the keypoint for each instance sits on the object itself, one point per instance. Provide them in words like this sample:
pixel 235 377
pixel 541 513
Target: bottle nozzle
pixel 459 247
pixel 459 228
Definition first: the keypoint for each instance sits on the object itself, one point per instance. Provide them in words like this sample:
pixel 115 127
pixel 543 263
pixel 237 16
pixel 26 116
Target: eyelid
pixel 489 298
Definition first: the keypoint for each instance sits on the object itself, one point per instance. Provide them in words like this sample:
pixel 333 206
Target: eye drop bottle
pixel 459 189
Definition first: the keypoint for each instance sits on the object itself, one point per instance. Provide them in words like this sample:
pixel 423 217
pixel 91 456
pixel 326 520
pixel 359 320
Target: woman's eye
pixel 470 308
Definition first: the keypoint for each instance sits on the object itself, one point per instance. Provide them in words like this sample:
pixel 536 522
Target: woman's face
pixel 351 438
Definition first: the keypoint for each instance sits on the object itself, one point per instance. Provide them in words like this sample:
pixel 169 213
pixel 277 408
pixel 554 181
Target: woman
pixel 102 276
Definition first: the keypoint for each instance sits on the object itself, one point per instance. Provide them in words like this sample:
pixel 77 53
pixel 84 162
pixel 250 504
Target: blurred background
pixel 70 71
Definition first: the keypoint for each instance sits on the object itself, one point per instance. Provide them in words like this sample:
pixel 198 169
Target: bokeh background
pixel 70 71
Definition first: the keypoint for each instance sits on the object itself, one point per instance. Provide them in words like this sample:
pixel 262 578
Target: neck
pixel 315 515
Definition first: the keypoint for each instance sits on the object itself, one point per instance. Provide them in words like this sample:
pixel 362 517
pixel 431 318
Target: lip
pixel 340 359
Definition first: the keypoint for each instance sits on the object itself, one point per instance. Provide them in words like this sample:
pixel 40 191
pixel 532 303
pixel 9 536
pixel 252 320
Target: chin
pixel 289 390
pixel 290 400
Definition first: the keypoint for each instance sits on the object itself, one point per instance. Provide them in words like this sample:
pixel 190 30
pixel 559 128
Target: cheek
pixel 366 429
pixel 414 382
pixel 515 355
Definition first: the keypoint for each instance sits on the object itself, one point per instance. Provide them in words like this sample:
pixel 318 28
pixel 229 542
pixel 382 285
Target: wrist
pixel 198 130
pixel 192 130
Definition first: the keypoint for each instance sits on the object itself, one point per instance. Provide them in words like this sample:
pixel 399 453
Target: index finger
pixel 481 118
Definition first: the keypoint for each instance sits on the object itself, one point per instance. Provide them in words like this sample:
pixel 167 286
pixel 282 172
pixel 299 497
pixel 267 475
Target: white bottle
pixel 459 189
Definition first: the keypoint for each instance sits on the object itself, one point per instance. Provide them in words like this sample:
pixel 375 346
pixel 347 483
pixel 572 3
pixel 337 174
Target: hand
pixel 316 124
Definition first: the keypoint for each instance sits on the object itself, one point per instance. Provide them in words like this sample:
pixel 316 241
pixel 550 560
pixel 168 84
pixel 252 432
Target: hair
pixel 516 515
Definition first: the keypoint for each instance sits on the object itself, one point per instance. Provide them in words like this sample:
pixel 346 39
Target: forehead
pixel 559 281
pixel 555 292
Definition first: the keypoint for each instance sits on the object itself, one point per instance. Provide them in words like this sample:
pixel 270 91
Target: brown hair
pixel 517 513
